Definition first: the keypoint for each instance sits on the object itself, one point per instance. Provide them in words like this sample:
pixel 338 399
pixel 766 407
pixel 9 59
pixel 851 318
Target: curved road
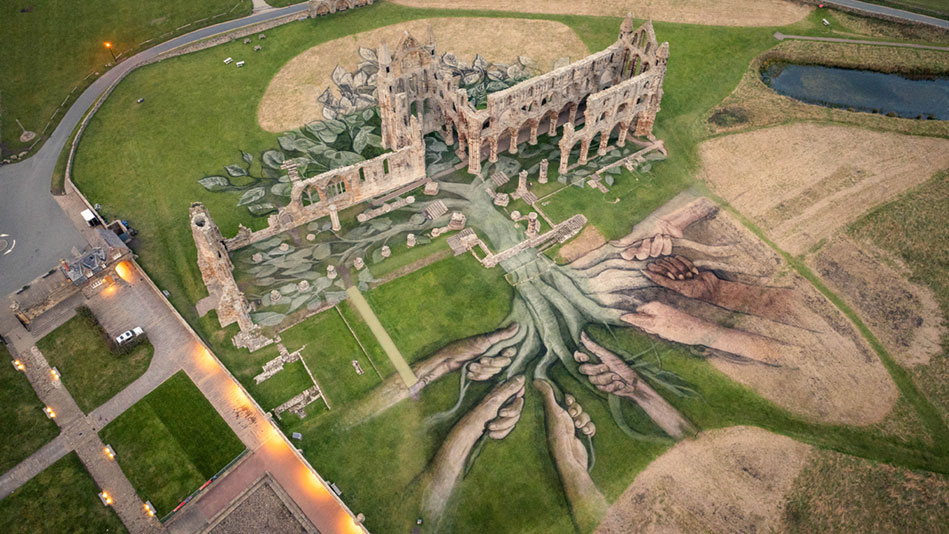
pixel 908 16
pixel 36 228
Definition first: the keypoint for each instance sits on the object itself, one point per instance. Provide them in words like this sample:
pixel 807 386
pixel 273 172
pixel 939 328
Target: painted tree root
pixel 571 459
pixel 613 376
pixel 495 415
pixel 446 360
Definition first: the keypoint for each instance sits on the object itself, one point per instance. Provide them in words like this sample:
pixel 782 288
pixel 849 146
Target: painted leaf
pixel 335 126
pixel 247 157
pixel 344 158
pixel 286 141
pixel 235 170
pixel 273 159
pixel 361 140
pixel 251 195
pixel 215 183
pixel 262 208
pixel 268 318
pixel 321 251
pixel 367 53
pixel 281 189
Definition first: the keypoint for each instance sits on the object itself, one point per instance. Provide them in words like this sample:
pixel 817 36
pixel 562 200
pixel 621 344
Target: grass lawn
pixel 171 442
pixel 50 47
pixel 63 498
pixel 90 371
pixel 329 352
pixel 25 427
pixel 453 298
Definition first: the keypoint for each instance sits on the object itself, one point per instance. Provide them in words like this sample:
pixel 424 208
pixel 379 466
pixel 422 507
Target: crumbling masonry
pixel 617 89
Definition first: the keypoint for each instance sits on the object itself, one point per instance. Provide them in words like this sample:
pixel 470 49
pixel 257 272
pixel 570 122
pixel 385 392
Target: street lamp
pixel 109 46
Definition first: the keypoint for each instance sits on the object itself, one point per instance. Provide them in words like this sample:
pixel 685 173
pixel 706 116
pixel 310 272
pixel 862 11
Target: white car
pixel 129 334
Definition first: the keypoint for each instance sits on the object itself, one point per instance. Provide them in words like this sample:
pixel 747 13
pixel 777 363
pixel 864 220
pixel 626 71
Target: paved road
pixel 891 12
pixel 29 214
pixel 780 36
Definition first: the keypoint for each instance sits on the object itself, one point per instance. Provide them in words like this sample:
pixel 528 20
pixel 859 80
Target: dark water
pixel 861 90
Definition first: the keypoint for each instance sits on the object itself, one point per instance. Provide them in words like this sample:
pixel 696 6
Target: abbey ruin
pixel 618 89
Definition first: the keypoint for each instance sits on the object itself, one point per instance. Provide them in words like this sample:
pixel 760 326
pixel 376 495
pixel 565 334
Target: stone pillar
pixel 493 145
pixel 533 138
pixel 564 159
pixel 543 171
pixel 334 218
pixel 552 127
pixel 449 132
pixel 604 143
pixel 522 181
pixel 573 114
pixel 623 130
pixel 512 135
pixel 410 240
pixel 474 155
pixel 584 151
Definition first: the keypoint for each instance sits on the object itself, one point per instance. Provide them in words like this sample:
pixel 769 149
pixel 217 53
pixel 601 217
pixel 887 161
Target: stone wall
pixel 318 8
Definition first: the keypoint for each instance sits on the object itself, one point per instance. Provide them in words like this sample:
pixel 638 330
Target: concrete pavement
pixel 28 212
pixel 890 12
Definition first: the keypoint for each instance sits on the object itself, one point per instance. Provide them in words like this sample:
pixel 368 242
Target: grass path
pixel 382 336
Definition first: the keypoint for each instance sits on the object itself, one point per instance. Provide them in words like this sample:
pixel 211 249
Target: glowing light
pixel 54 372
pixel 49 412
pixel 108 44
pixel 109 451
pixel 124 270
pixel 149 509
pixel 105 498
pixel 109 291
pixel 18 365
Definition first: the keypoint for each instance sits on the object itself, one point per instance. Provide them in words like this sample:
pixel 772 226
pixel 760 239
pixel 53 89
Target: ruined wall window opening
pixel 385 166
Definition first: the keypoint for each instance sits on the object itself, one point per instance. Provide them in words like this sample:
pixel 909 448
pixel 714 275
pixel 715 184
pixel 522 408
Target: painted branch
pixel 657 408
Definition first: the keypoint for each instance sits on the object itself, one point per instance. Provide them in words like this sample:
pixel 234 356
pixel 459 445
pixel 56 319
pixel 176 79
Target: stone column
pixel 334 218
pixel 623 130
pixel 564 159
pixel 604 143
pixel 493 145
pixel 584 151
pixel 533 138
pixel 553 118
pixel 474 155
pixel 512 135
pixel 543 171
pixel 573 114
pixel 522 181
pixel 449 132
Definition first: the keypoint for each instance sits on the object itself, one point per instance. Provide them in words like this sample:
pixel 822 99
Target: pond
pixel 861 90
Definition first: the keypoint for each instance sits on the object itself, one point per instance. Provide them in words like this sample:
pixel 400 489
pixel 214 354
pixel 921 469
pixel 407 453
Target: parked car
pixel 129 334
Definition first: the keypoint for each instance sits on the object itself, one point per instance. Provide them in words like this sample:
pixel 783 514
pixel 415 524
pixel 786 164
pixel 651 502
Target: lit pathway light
pixel 54 372
pixel 109 451
pixel 109 46
pixel 149 509
pixel 49 412
pixel 18 365
pixel 105 498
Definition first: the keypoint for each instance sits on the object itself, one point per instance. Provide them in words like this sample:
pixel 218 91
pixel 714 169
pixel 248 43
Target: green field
pixel 90 371
pixel 511 486
pixel 25 426
pixel 63 498
pixel 171 442
pixel 50 47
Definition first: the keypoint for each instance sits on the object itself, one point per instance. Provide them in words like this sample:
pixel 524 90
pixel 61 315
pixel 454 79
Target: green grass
pixel 25 427
pixel 50 50
pixel 90 371
pixel 63 498
pixel 329 352
pixel 452 299
pixel 171 442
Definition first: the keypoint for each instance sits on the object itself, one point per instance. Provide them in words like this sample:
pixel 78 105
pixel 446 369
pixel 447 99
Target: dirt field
pixel 290 99
pixel 903 315
pixel 729 480
pixel 589 239
pixel 747 480
pixel 711 12
pixel 801 182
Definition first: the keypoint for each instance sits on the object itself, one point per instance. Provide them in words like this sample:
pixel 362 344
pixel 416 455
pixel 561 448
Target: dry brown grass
pixel 905 316
pixel 589 239
pixel 759 106
pixel 290 99
pixel 801 182
pixel 728 480
pixel 841 493
pixel 710 12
